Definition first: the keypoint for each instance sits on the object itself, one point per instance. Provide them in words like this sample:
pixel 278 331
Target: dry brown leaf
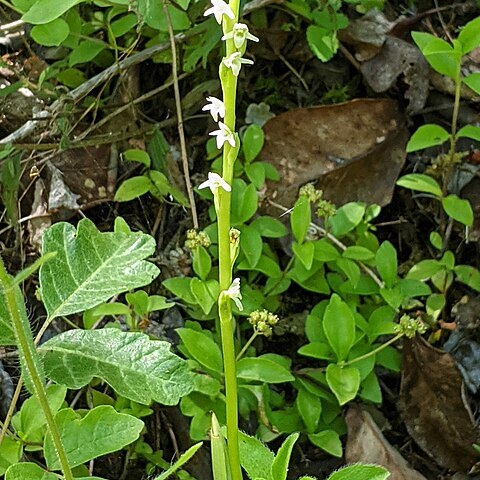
pixel 433 407
pixel 366 444
pixel 353 151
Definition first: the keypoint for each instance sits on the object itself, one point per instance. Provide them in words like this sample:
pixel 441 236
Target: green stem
pixel 245 347
pixel 27 349
pixel 373 352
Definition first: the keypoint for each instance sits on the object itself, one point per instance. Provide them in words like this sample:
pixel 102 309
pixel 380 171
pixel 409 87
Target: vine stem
pixel 26 346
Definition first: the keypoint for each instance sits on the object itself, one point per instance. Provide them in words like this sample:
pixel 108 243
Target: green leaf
pixel 201 262
pixel 346 218
pixel 255 457
pixel 469 276
pixel 427 136
pixel 90 267
pixel 44 11
pixel 244 201
pixel 204 293
pixel 325 251
pixel 473 81
pixel 154 16
pixel 469 131
pixel 202 348
pixel 387 265
pixel 420 183
pixel 136 367
pixel 322 42
pixel 459 209
pixel 252 142
pixel 102 430
pixel 269 227
pixel 329 441
pixel 10 453
pixel 424 270
pixel 263 370
pixel 133 188
pixel 300 218
pixel 360 472
pixel 344 382
pixel 85 52
pixel 51 34
pixel 339 326
pixel 350 269
pixel 309 407
pixel 251 245
pixel 470 36
pixel 436 240
pixel 7 335
pixel 356 252
pixel 157 302
pixel 137 155
pixel 320 350
pixel 30 471
pixel 124 24
pixel 282 459
pixel 184 458
pixel 256 173
pixel 304 252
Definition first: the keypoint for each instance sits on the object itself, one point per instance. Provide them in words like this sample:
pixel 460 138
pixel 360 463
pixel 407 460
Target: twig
pixel 178 106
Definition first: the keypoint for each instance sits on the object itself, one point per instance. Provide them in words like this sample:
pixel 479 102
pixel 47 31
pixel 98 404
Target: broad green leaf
pixel 370 389
pixel 470 36
pixel 470 131
pixel 256 173
pixel 30 471
pixel 30 420
pixel 459 209
pixel 44 11
pixel 420 183
pixel 102 430
pixel 356 252
pixel 154 16
pixel 304 252
pixel 252 142
pixel 309 407
pixel 329 441
pixel 137 155
pixel 282 459
pixel 269 227
pixel 427 136
pixel 85 52
pixel 263 370
pixel 251 245
pixel 387 265
pixel 184 458
pixel 202 348
pixel 319 350
pixel 322 42
pixel 202 293
pixel 300 218
pixel 10 453
pixel 133 188
pixel 424 270
pixel 90 267
pixel 158 302
pixel 51 34
pixel 255 457
pixel 469 276
pixel 325 251
pixel 473 81
pixel 360 472
pixel 124 24
pixel 436 240
pixel 344 382
pixel 348 216
pixel 201 262
pixel 244 201
pixel 339 326
pixel 136 367
pixel 350 269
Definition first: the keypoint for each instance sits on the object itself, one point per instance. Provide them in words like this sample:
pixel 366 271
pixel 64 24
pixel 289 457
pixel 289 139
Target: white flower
pixel 224 134
pixel 233 293
pixel 220 8
pixel 215 181
pixel 216 108
pixel 234 61
pixel 240 35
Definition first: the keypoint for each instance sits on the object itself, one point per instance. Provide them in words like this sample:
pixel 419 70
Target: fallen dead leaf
pixel 433 406
pixel 366 444
pixel 353 151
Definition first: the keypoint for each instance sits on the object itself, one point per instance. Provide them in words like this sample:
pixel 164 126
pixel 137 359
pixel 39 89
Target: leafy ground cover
pixel 355 220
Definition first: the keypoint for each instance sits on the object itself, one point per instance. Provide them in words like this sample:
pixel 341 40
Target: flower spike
pixel 219 8
pixel 216 108
pixel 240 35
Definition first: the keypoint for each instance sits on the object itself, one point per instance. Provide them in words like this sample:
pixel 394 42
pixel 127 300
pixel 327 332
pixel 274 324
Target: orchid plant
pixel 235 36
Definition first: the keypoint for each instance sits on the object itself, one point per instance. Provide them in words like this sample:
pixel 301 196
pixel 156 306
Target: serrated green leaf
pixel 90 267
pixel 136 367
pixel 459 209
pixel 102 430
pixel 427 136
pixel 344 382
pixel 360 472
pixel 255 457
pixel 420 183
pixel 339 326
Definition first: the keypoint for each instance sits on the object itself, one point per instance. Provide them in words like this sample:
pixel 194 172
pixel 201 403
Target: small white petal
pixel 216 108
pixel 215 181
pixel 224 134
pixel 234 293
pixel 218 9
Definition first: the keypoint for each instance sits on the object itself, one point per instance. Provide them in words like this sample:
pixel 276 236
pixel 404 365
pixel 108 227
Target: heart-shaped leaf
pixel 102 430
pixel 136 367
pixel 91 267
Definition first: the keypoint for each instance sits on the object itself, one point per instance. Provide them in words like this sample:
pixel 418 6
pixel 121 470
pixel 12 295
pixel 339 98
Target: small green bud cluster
pixel 315 196
pixel 410 326
pixel 263 321
pixel 197 239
